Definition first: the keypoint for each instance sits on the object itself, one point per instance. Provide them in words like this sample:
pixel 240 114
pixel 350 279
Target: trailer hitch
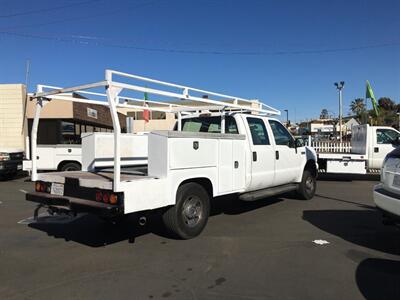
pixel 36 212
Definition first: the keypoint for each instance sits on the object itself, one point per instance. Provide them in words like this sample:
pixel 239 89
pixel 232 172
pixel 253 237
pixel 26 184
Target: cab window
pixel 209 124
pixel 258 131
pixel 386 136
pixel 281 135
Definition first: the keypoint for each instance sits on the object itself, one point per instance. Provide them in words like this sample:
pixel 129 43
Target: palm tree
pixel 357 106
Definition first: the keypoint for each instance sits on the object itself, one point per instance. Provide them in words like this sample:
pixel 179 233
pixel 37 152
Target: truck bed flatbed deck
pixel 102 179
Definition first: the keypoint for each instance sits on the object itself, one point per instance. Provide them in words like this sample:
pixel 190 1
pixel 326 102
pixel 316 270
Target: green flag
pixel 370 94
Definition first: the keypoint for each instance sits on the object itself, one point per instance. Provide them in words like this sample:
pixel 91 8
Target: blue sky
pixel 286 53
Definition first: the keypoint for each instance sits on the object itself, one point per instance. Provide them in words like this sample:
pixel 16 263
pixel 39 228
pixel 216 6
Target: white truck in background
pixel 68 157
pixel 61 157
pixel 368 147
pixel 220 149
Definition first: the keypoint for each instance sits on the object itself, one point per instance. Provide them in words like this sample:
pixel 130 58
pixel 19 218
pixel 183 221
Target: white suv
pixel 387 193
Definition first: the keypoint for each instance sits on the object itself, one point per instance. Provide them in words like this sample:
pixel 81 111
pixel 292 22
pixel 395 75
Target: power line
pixel 107 13
pixel 37 11
pixel 102 42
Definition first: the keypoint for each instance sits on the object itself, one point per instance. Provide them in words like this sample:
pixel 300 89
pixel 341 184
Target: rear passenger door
pixel 288 158
pixel 262 154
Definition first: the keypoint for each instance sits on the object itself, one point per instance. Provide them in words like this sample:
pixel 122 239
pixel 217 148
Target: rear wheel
pixel 71 166
pixel 308 185
pixel 188 217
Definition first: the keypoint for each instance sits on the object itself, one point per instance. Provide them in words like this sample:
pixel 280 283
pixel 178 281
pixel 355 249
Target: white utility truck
pixel 221 145
pixel 368 147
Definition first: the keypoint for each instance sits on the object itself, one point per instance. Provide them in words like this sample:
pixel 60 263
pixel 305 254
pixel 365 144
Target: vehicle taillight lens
pixel 113 199
pixel 106 197
pixel 99 196
pixel 42 187
pixel 37 187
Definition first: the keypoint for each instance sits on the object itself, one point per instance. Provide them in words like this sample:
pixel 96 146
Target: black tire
pixel 71 166
pixel 188 217
pixel 308 185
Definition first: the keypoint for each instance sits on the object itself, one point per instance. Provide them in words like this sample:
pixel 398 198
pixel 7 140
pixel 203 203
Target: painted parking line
pixel 321 242
pixel 23 191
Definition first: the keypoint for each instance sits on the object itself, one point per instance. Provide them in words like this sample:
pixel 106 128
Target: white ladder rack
pixel 114 99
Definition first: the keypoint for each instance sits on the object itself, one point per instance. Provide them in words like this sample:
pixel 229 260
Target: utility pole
pixel 398 114
pixel 339 87
pixel 287 118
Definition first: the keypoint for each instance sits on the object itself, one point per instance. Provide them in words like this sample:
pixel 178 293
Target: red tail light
pixel 106 197
pixel 99 196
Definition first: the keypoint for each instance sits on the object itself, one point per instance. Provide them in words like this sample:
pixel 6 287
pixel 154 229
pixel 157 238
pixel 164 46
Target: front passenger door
pixel 262 154
pixel 288 158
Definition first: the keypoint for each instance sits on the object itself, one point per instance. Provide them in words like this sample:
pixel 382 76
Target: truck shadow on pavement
pixel 92 231
pixel 361 227
pixel 376 278
pixel 348 177
pixel 379 278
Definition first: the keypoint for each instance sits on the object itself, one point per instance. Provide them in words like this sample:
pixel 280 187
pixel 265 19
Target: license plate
pixel 19 167
pixel 57 189
pixel 396 181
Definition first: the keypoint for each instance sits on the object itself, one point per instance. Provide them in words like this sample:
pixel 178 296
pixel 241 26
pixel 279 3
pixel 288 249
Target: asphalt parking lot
pixel 259 250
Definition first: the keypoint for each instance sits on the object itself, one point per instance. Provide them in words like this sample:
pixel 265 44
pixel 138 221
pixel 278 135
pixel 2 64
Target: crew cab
pixel 212 152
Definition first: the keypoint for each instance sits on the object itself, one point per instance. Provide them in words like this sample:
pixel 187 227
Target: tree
pixel 324 114
pixel 386 103
pixel 357 106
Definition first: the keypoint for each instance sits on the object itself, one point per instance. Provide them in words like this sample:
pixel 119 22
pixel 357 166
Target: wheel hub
pixel 192 211
pixel 310 184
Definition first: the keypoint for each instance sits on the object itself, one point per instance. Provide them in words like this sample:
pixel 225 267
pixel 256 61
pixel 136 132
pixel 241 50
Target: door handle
pixel 277 155
pixel 254 156
pixel 236 165
pixel 376 149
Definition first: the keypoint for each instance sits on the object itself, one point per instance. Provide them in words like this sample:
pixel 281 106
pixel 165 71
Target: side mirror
pixel 299 143
pixel 396 142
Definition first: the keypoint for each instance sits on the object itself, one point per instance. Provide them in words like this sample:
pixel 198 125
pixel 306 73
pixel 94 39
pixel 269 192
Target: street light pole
pixel 339 87
pixel 287 118
pixel 398 114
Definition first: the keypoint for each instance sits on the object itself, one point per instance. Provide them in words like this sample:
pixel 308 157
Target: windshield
pixel 209 124
pixel 386 136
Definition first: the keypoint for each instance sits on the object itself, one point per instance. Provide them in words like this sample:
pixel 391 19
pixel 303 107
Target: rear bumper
pixel 75 204
pixel 388 203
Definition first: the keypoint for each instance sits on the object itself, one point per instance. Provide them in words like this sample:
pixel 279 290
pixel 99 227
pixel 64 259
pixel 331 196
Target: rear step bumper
pixel 74 204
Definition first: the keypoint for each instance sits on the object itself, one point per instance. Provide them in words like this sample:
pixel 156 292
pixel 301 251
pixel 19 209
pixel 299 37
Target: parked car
pixel 387 193
pixel 10 162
